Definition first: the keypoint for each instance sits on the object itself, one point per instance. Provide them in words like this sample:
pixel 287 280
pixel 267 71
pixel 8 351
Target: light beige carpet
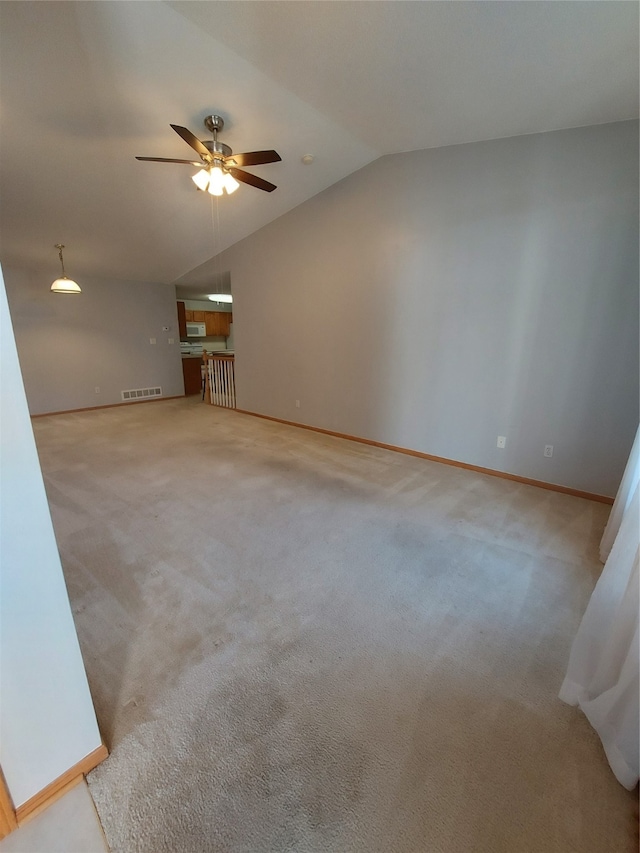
pixel 299 643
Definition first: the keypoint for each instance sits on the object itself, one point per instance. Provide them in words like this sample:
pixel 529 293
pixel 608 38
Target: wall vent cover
pixel 141 393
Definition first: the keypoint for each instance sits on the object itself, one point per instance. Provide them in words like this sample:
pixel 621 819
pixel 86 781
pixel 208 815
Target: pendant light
pixel 64 284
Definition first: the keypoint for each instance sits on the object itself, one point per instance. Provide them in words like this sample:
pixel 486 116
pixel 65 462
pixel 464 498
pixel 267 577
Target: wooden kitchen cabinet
pixel 225 322
pixel 182 321
pixel 192 375
pixel 217 323
pixel 211 323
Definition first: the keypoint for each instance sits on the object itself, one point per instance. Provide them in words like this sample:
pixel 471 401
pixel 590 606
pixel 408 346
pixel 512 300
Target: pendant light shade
pixel 64 284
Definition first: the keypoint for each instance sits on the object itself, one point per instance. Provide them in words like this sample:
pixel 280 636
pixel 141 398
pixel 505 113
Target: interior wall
pixel 69 345
pixel 438 299
pixel 47 721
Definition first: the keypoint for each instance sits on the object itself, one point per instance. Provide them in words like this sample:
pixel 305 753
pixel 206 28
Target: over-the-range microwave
pixel 196 330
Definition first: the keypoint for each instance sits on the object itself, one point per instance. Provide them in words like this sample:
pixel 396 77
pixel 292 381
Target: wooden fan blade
pixel 165 160
pixel 254 180
pixel 193 141
pixel 253 158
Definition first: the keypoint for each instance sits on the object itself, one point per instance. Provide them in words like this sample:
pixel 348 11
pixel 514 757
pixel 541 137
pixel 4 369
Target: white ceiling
pixel 86 86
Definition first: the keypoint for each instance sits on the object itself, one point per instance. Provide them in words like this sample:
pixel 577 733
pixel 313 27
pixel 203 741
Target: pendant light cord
pixel 60 247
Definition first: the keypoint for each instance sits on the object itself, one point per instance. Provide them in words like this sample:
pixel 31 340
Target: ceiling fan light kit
pixel 215 180
pixel 64 284
pixel 201 179
pixel 219 166
pixel 230 183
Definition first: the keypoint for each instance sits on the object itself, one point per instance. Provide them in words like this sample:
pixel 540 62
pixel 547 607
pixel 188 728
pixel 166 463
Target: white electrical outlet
pixel 170 340
pixel 152 340
pixel 548 450
pixel 297 404
pixel 502 441
pixel 97 389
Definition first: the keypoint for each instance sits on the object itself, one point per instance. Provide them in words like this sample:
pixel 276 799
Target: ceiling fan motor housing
pixel 215 124
pixel 217 148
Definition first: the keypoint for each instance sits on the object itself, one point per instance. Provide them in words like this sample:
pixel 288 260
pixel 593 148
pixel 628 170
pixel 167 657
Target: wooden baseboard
pixel 8 820
pixel 554 487
pixel 56 789
pixel 107 406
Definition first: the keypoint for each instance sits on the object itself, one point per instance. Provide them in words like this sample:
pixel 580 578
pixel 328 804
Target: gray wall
pixel 437 299
pixel 69 344
pixel 47 721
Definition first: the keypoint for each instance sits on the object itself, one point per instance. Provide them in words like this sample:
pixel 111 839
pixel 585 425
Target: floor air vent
pixel 141 393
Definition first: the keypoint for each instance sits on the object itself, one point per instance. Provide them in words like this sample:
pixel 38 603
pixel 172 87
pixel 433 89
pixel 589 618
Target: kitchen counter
pixel 229 353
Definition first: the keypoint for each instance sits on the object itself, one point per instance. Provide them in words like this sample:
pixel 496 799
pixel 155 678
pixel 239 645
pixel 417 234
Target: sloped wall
pixel 437 299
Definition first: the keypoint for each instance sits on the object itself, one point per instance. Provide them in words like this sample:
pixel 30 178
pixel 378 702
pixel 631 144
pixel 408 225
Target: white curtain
pixel 603 674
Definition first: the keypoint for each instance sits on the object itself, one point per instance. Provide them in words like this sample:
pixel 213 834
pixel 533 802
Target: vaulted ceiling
pixel 87 86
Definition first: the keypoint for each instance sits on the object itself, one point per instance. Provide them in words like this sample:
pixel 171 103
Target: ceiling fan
pixel 218 164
